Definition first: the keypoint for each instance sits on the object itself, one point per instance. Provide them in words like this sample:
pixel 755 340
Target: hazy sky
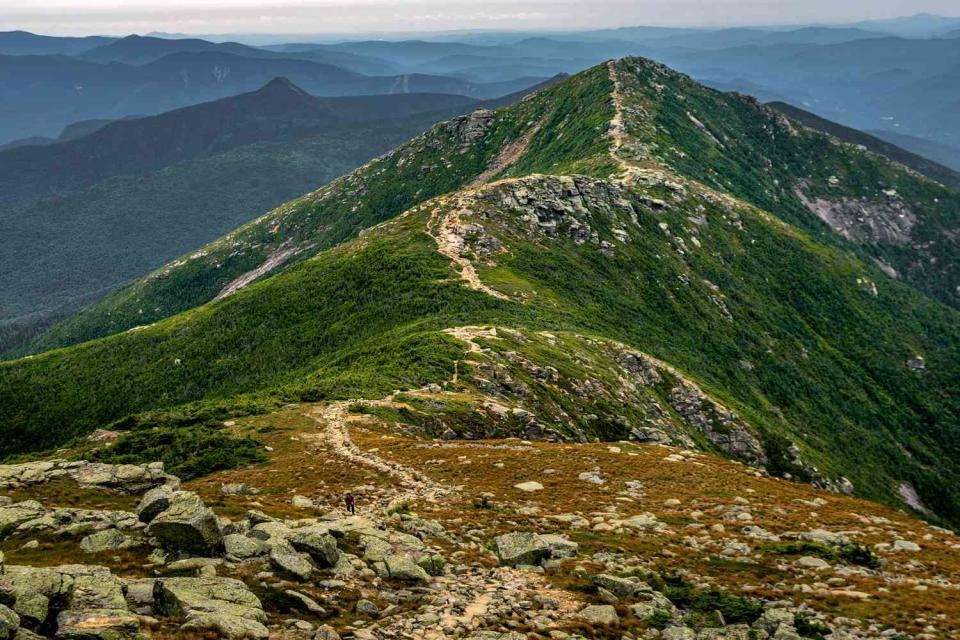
pixel 81 17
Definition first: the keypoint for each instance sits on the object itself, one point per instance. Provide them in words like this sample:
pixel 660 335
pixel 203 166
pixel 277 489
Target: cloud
pixel 338 16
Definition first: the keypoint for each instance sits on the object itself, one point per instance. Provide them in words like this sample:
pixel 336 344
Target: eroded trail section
pixel 508 155
pixel 447 230
pixel 618 132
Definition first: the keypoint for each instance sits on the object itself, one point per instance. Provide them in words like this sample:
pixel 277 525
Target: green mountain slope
pixel 443 159
pixel 632 302
pixel 907 223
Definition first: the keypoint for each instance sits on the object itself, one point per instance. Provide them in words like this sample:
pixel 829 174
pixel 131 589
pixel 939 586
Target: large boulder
pixel 97 624
pixel 223 605
pixel 290 563
pixel 620 587
pixel 321 546
pixel 33 589
pixel 560 546
pixel 396 567
pixel 106 540
pixel 519 548
pixel 187 525
pixel 239 547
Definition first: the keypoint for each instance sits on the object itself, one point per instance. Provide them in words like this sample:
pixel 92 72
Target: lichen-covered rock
pixel 291 563
pixel 621 587
pixel 12 516
pixel 224 605
pixel 97 624
pixel 560 546
pixel 599 614
pixel 432 563
pixel 521 548
pixel 404 569
pixel 9 623
pixel 321 546
pixel 122 478
pixel 33 589
pixel 678 633
pixel 238 547
pixel 106 540
pixel 139 594
pixel 187 525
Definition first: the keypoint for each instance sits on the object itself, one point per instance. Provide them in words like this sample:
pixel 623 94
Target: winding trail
pixel 414 486
pixel 445 229
pixel 617 131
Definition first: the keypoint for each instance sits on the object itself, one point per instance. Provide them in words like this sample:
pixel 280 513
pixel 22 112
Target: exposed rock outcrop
pixel 122 478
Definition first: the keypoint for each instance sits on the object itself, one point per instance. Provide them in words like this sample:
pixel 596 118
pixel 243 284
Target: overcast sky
pixel 82 17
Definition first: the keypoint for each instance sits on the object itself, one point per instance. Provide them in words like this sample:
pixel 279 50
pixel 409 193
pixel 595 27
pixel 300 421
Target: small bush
pixel 702 602
pixel 659 619
pixel 803 549
pixel 861 555
pixel 810 628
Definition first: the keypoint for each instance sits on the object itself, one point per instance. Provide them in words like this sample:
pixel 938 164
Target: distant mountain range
pixel 901 76
pixel 40 94
pixel 110 201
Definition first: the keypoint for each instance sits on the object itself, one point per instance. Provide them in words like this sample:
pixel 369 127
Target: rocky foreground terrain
pixel 483 539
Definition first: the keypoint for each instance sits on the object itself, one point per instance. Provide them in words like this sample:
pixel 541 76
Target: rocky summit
pixel 631 358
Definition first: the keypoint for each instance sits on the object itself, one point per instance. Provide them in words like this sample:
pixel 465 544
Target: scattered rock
pixel 604 614
pixel 106 540
pixel 518 548
pixel 905 545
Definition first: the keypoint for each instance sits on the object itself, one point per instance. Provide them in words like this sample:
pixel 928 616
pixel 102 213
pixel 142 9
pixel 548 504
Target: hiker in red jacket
pixel 351 503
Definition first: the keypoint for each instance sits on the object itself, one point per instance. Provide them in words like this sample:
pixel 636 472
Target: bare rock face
pixel 888 221
pixel 471 127
pixel 722 426
pixel 187 525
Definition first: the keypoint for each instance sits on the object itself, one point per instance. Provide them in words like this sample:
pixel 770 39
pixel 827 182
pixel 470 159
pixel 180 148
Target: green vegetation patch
pixel 187 450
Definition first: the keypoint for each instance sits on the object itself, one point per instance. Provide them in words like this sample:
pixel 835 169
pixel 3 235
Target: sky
pixel 117 17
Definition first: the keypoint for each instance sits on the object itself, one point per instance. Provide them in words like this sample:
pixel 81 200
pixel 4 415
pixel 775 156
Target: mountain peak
pixel 281 85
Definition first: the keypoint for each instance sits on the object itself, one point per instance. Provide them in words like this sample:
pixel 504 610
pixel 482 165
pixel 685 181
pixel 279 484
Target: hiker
pixel 351 503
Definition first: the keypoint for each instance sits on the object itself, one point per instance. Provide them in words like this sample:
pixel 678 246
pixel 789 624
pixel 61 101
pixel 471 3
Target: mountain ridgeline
pixel 641 257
